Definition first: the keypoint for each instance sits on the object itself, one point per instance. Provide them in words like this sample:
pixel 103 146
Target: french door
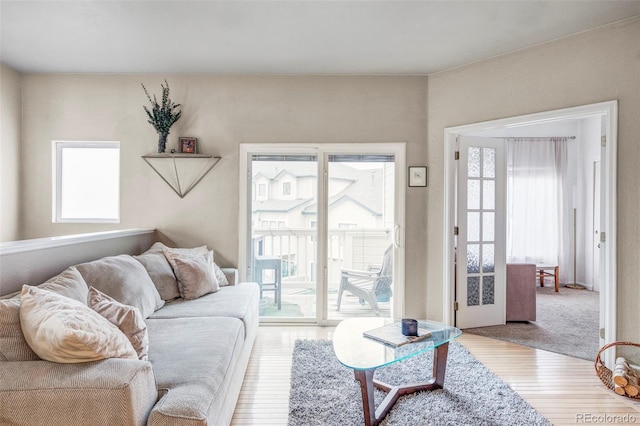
pixel 323 229
pixel 481 242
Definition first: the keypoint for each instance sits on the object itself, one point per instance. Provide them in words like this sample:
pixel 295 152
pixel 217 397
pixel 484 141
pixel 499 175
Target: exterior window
pixel 86 182
pixel 286 188
pixel 262 190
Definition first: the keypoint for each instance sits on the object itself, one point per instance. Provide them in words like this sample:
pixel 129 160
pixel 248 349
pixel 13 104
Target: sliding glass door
pixel 282 255
pixel 321 235
pixel 360 235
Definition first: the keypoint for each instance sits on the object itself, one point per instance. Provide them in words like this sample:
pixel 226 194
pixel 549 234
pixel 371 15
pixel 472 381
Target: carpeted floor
pixel 566 322
pixel 324 392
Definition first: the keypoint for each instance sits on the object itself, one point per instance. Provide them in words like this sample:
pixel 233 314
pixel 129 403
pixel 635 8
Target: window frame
pixel 57 147
pixel 286 185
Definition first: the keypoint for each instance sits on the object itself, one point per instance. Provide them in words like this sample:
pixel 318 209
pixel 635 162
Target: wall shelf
pixel 182 172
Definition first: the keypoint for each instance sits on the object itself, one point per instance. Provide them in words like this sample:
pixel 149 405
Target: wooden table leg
pixel 373 416
pixel 555 276
pixel 365 377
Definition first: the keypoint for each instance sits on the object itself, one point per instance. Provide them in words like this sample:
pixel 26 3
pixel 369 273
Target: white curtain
pixel 537 226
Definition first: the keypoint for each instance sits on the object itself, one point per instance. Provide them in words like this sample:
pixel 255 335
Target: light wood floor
pixel 563 389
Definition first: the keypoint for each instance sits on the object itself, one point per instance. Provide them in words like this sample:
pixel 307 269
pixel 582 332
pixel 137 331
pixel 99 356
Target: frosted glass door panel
pixel 480 274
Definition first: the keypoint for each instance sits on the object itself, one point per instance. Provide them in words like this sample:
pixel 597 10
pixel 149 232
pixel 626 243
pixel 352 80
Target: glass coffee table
pixel 364 355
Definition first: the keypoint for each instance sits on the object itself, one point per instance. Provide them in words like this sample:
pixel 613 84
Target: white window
pixel 86 182
pixel 286 188
pixel 262 190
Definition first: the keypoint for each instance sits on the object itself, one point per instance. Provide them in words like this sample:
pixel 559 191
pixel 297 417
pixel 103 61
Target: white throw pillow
pixel 60 329
pixel 220 276
pixel 13 346
pixel 195 274
pixel 127 318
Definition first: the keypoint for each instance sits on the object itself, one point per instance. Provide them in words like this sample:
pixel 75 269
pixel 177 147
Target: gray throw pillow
pixel 161 274
pixel 69 284
pixel 127 318
pixel 195 274
pixel 124 279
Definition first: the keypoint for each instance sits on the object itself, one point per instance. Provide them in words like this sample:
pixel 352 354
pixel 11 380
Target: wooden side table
pixel 543 272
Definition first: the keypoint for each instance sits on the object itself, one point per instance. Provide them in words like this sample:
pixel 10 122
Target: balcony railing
pixel 347 248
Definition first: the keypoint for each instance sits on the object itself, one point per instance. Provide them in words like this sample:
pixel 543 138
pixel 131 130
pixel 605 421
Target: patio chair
pixel 370 286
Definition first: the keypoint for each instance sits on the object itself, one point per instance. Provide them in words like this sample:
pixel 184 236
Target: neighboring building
pixel 284 215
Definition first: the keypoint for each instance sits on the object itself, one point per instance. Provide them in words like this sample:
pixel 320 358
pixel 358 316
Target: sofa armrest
pixel 107 392
pixel 231 274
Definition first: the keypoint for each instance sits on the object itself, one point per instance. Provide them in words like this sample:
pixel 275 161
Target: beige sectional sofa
pixel 197 354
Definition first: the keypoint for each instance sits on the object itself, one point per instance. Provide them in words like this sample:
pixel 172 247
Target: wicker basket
pixel 604 373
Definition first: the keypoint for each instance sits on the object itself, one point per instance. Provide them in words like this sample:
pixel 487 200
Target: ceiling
pixel 284 37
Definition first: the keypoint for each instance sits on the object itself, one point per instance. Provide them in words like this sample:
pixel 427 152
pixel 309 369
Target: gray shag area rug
pixel 324 392
pixel 566 323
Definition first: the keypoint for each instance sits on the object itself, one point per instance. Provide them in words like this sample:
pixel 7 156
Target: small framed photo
pixel 417 176
pixel 188 145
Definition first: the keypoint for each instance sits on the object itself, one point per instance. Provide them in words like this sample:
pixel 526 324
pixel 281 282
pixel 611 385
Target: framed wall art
pixel 188 145
pixel 417 176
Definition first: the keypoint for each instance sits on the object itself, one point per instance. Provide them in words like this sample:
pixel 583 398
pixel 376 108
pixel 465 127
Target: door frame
pixel 322 150
pixel 608 293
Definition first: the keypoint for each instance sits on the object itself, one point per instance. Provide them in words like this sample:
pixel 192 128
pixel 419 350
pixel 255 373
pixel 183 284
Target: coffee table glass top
pixel 359 352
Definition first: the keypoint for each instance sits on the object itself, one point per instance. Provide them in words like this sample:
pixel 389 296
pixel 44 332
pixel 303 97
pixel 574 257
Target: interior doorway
pixel 547 124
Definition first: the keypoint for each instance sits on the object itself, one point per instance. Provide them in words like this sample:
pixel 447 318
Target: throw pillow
pixel 13 346
pixel 60 329
pixel 161 274
pixel 127 318
pixel 69 284
pixel 220 276
pixel 195 275
pixel 125 279
pixel 195 251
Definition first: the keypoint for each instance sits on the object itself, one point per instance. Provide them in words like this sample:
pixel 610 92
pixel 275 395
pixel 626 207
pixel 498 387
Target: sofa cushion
pixel 60 329
pixel 13 346
pixel 125 279
pixel 193 360
pixel 161 274
pixel 127 318
pixel 238 301
pixel 110 392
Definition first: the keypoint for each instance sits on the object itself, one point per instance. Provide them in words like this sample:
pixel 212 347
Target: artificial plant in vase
pixel 162 116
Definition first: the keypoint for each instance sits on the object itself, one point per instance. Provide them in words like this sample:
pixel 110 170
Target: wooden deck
pixel 563 389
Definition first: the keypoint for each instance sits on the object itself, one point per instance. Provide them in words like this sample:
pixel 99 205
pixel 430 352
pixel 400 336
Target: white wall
pixel 222 112
pixel 591 67
pixel 10 153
